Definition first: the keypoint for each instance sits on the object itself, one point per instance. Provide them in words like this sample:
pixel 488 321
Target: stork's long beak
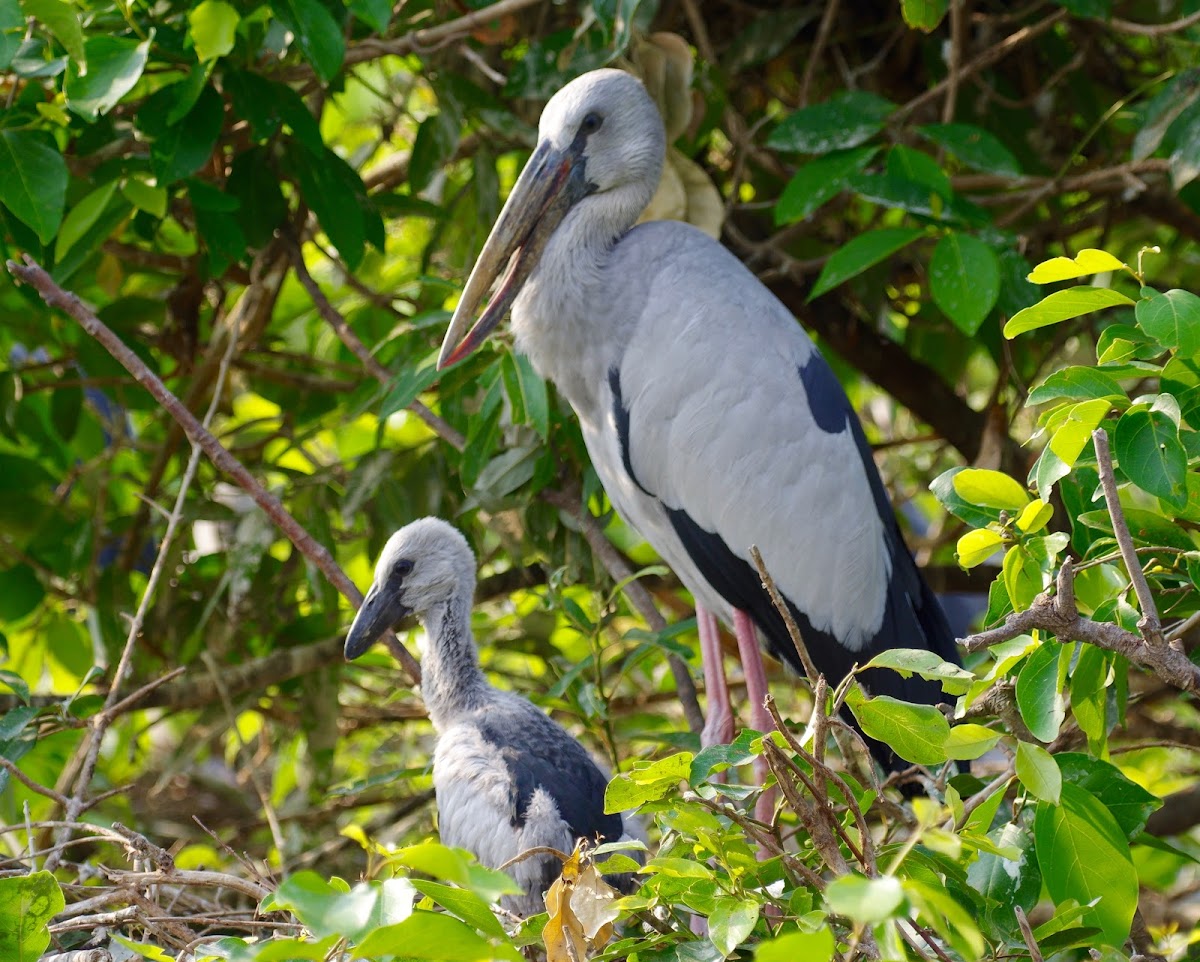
pixel 551 183
pixel 378 613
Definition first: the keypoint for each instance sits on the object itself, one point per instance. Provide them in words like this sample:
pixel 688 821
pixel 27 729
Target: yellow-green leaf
pixel 970 741
pixel 1034 516
pixel 1086 262
pixel 1062 306
pixel 213 26
pixel 990 489
pixel 1072 436
pixel 975 547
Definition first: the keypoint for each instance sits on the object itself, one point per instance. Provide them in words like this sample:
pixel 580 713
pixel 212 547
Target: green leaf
pixel 465 904
pixel 145 196
pixel 1076 383
pixel 328 910
pixel 527 393
pixel 926 664
pixel 1038 772
pixel 919 168
pixel 33 180
pixel 455 865
pixel 646 781
pixel 1022 576
pixel 1083 855
pixel 18 684
pixel 767 34
pixel 1062 306
pixel 992 489
pixel 819 180
pixel 20 592
pixel 185 147
pixel 213 28
pixel 730 924
pixel 1087 262
pixel 866 900
pixel 974 146
pixel 815 946
pixel 27 904
pixel 1075 433
pixel 975 547
pixel 437 137
pixel 335 192
pixel 860 253
pixel 1039 687
pixel 969 741
pixel 917 733
pixel 114 65
pixel 409 383
pixel 845 120
pixel 1172 319
pixel 81 218
pixel 1177 96
pixel 62 20
pixel 923 14
pixel 1151 455
pixel 964 279
pixel 1006 882
pixel 255 185
pixel 1089 694
pixel 1129 803
pixel 317 34
pixel 376 14
pixel 429 935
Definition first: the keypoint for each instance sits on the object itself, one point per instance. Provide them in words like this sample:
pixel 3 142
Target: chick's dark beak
pixel 379 612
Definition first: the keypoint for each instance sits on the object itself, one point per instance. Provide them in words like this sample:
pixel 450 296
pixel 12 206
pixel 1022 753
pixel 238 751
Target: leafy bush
pixel 264 201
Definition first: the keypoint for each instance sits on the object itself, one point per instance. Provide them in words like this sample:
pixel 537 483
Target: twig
pixel 958 17
pixel 32 273
pixel 31 784
pixel 1154 30
pixel 1035 953
pixel 190 878
pixel 814 55
pixel 1148 624
pixel 988 57
pixel 634 590
pixel 530 853
pixel 346 334
pixel 793 629
pixel 1067 624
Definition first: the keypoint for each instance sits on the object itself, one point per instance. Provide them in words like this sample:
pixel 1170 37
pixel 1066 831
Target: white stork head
pixel 425 564
pixel 601 142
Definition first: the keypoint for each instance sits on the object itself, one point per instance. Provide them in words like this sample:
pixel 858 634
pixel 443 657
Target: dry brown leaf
pixel 580 907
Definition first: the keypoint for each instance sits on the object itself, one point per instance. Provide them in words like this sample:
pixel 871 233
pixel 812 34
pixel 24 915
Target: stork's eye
pixel 403 568
pixel 591 123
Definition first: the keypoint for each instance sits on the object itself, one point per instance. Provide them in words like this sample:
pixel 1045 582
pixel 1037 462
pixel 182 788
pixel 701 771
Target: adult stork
pixel 711 418
pixel 507 777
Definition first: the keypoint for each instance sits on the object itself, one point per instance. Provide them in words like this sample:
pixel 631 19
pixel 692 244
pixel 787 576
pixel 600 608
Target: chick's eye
pixel 591 123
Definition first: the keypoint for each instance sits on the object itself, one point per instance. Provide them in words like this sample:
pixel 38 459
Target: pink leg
pixel 718 728
pixel 756 691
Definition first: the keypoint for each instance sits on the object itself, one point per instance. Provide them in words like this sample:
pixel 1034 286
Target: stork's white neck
pixel 451 680
pixel 562 318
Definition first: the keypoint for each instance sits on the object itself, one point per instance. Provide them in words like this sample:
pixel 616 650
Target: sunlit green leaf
pixel 1062 306
pixel 862 252
pixel 964 279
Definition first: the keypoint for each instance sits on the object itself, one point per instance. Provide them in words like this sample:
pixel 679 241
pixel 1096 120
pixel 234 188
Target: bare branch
pixel 1149 625
pixel 54 296
pixel 1067 624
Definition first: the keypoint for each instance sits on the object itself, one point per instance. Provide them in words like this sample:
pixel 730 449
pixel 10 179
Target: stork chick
pixel 507 777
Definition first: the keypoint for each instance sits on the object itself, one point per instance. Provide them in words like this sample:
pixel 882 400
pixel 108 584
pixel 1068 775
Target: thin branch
pixel 54 296
pixel 793 629
pixel 1149 624
pixel 1155 29
pixel 982 62
pixel 634 590
pixel 814 55
pixel 343 330
pixel 1035 954
pixel 958 19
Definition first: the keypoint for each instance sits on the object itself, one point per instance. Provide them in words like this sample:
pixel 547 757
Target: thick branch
pixel 54 296
pixel 1057 615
